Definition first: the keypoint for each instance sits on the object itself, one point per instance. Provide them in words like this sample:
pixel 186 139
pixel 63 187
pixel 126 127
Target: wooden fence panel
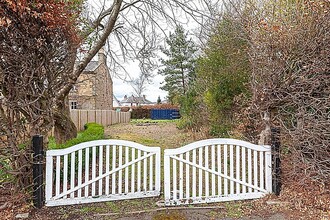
pixel 103 117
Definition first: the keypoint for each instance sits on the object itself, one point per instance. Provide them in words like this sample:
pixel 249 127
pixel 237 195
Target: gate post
pixel 38 190
pixel 276 162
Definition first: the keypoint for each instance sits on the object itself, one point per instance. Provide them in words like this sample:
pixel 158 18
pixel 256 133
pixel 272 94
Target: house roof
pixel 133 99
pixel 115 100
pixel 91 66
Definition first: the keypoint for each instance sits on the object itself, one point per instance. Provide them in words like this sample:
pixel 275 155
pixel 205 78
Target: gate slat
pixel 107 169
pixel 120 173
pixel 243 169
pixel 100 168
pixel 207 188
pixel 126 169
pixel 139 173
pixel 72 173
pixel 133 172
pixel 232 165
pixel 261 169
pixel 49 177
pixel 255 169
pixel 145 175
pixel 213 168
pixel 219 169
pixel 58 176
pixel 114 155
pixel 181 178
pixel 65 174
pixel 86 171
pixel 268 172
pixel 151 174
pixel 79 171
pixel 250 172
pixel 225 170
pixel 200 173
pixel 93 169
pixel 194 175
pixel 167 179
pixel 174 180
pixel 187 177
pixel 237 169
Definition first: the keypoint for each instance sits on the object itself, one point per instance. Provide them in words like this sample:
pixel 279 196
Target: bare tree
pixel 139 84
pixel 38 57
pixel 135 26
pixel 290 78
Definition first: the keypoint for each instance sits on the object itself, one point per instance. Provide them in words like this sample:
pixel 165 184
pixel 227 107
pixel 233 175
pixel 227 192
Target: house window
pixel 73 104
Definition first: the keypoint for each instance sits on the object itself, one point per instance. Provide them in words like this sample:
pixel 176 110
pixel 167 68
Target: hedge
pixel 93 131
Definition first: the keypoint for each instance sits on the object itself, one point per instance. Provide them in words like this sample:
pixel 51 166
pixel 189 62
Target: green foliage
pixel 93 131
pixel 4 168
pixel 221 81
pixel 140 113
pixel 226 69
pixel 159 101
pixel 179 67
pixel 190 110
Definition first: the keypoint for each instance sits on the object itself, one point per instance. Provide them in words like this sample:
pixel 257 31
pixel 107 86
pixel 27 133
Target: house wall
pixel 94 90
pixel 83 92
pixel 103 88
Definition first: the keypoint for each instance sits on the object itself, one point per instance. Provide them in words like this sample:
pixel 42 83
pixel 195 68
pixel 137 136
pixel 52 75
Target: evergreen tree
pixel 159 101
pixel 179 67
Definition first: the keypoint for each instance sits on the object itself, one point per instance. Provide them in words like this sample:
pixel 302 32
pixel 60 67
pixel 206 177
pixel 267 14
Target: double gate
pixel 205 171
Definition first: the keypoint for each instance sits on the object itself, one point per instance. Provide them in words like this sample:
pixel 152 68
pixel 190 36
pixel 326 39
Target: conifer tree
pixel 179 67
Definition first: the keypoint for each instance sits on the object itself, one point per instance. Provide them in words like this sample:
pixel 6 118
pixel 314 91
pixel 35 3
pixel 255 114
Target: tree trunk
pixel 65 129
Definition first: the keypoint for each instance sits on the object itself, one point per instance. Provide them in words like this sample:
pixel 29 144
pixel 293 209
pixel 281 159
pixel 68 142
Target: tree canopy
pixel 179 66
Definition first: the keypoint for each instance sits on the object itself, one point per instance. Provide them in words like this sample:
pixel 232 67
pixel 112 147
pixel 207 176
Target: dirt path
pixel 164 135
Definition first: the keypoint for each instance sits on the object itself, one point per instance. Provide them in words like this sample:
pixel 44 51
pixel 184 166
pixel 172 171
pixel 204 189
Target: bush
pixel 140 113
pixel 144 112
pixel 93 131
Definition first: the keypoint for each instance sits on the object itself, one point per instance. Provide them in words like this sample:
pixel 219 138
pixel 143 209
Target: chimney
pixel 102 58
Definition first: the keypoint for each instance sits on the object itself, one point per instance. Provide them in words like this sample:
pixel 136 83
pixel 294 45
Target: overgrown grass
pixel 93 131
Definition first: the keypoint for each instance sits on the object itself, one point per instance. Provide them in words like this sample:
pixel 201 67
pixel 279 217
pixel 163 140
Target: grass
pixel 138 139
pixel 93 131
pixel 234 209
pixel 141 121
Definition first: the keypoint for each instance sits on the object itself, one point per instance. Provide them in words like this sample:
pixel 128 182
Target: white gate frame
pixel 227 182
pixel 92 182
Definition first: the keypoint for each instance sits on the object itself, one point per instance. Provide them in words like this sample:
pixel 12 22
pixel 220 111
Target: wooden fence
pixel 103 117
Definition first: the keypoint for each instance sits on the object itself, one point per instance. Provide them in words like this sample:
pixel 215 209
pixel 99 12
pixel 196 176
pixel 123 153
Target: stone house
pixel 94 87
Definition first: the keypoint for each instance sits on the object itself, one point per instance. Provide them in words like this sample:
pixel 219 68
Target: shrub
pixel 93 131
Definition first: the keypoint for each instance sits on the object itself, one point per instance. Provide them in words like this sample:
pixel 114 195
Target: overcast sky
pixel 122 88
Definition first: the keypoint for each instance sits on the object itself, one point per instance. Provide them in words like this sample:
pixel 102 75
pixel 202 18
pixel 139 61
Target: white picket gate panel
pixel 102 170
pixel 216 170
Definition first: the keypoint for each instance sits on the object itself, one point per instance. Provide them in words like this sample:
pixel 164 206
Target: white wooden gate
pixel 216 170
pixel 102 170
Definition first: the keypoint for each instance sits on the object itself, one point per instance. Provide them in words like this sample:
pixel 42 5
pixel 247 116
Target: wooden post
pixel 276 162
pixel 38 190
